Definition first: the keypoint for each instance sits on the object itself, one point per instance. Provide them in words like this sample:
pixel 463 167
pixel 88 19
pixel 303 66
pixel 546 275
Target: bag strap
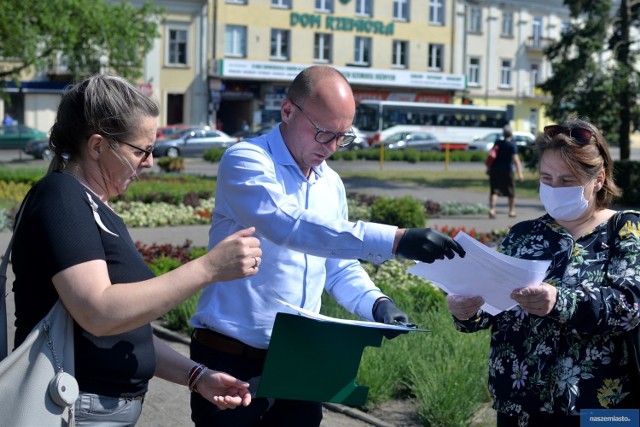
pixel 611 239
pixel 4 334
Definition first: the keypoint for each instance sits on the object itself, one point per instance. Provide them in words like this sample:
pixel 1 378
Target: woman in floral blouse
pixel 562 348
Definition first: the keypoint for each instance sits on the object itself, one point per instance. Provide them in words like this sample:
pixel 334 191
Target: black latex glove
pixel 386 312
pixel 427 245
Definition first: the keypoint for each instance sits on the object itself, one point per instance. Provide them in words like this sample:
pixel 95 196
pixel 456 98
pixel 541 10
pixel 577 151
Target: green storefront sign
pixel 337 23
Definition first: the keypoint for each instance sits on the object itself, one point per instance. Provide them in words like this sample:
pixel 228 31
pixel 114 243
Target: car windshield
pixel 491 137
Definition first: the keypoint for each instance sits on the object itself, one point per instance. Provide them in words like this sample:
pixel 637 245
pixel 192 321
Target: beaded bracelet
pixel 195 373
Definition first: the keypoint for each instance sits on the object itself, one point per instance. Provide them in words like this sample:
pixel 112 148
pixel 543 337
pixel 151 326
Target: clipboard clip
pixel 404 324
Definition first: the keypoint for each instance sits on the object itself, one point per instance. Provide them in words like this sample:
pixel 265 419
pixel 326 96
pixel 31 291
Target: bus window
pixel 366 117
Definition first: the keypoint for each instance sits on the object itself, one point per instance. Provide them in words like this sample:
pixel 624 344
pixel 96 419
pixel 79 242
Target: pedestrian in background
pixel 501 177
pixel 8 120
pixel 562 349
pixel 280 182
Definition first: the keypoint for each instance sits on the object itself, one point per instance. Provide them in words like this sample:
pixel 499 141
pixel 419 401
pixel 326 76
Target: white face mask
pixel 563 203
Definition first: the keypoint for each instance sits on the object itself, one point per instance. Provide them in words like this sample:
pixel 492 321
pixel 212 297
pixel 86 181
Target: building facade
pixel 500 48
pixel 226 62
pixel 395 49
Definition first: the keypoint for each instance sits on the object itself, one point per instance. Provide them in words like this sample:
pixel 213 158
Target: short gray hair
pixel 106 105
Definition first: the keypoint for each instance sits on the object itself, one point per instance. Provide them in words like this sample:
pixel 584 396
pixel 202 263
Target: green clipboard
pixel 315 360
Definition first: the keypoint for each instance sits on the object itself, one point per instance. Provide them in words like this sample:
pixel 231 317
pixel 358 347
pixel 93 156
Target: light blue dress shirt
pixel 307 242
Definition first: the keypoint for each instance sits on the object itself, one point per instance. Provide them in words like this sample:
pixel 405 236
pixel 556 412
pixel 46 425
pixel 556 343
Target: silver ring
pixel 256 262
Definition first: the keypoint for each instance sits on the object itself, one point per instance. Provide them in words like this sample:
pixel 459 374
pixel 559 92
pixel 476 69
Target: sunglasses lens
pixel 581 135
pixel 554 130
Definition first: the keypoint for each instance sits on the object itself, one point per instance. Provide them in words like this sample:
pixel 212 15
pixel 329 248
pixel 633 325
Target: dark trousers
pixel 261 412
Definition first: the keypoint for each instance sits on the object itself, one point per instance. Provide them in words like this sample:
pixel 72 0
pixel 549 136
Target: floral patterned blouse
pixel 575 357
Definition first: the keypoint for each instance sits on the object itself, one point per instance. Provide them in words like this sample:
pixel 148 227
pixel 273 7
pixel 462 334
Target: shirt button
pixel 332 253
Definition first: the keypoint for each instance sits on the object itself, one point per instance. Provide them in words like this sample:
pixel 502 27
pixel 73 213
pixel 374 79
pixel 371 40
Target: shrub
pixel 404 212
pixel 410 155
pixel 492 238
pixel 162 258
pixel 171 164
pixel 25 175
pixel 14 191
pixel 170 188
pixel 213 154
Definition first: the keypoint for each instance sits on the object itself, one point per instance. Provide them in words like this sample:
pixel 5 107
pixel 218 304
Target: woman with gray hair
pixel 103 138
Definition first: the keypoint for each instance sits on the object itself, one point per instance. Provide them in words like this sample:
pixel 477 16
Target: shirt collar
pixel 282 155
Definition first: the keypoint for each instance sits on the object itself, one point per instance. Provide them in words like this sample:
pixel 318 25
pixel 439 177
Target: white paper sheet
pixel 483 271
pixel 311 315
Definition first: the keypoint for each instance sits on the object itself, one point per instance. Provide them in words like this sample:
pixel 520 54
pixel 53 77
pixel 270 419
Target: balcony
pixel 531 91
pixel 538 44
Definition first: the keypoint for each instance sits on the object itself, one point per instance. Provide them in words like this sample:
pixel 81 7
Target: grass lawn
pixel 474 180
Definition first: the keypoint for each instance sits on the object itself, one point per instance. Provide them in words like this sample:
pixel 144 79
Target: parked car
pixel 39 149
pixel 246 134
pixel 359 143
pixel 422 141
pixel 17 136
pixel 522 139
pixel 164 132
pixel 192 143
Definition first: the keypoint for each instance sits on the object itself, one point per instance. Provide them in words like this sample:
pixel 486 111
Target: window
pixel 324 5
pixel 475 20
pixel 364 7
pixel 284 4
pixel 436 56
pixel 280 44
pixel 322 47
pixel 399 57
pixel 401 10
pixel 565 26
pixel 507 24
pixel 436 12
pixel 505 73
pixel 362 51
pixel 473 71
pixel 536 32
pixel 177 54
pixel 237 1
pixel 235 41
pixel 534 75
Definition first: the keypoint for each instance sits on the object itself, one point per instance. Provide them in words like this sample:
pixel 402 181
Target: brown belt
pixel 228 345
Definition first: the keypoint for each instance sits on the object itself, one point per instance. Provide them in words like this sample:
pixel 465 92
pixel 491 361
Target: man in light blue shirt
pixel 281 184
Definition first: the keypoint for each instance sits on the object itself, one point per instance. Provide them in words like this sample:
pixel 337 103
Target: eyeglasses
pixel 324 136
pixel 147 152
pixel 582 136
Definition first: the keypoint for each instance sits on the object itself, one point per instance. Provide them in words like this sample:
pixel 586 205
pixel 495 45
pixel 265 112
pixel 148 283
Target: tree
pixel 33 33
pixel 593 69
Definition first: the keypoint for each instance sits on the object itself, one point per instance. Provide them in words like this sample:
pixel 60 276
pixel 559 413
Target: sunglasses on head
pixel 582 136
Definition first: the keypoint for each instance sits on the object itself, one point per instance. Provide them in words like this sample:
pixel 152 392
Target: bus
pixel 455 125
